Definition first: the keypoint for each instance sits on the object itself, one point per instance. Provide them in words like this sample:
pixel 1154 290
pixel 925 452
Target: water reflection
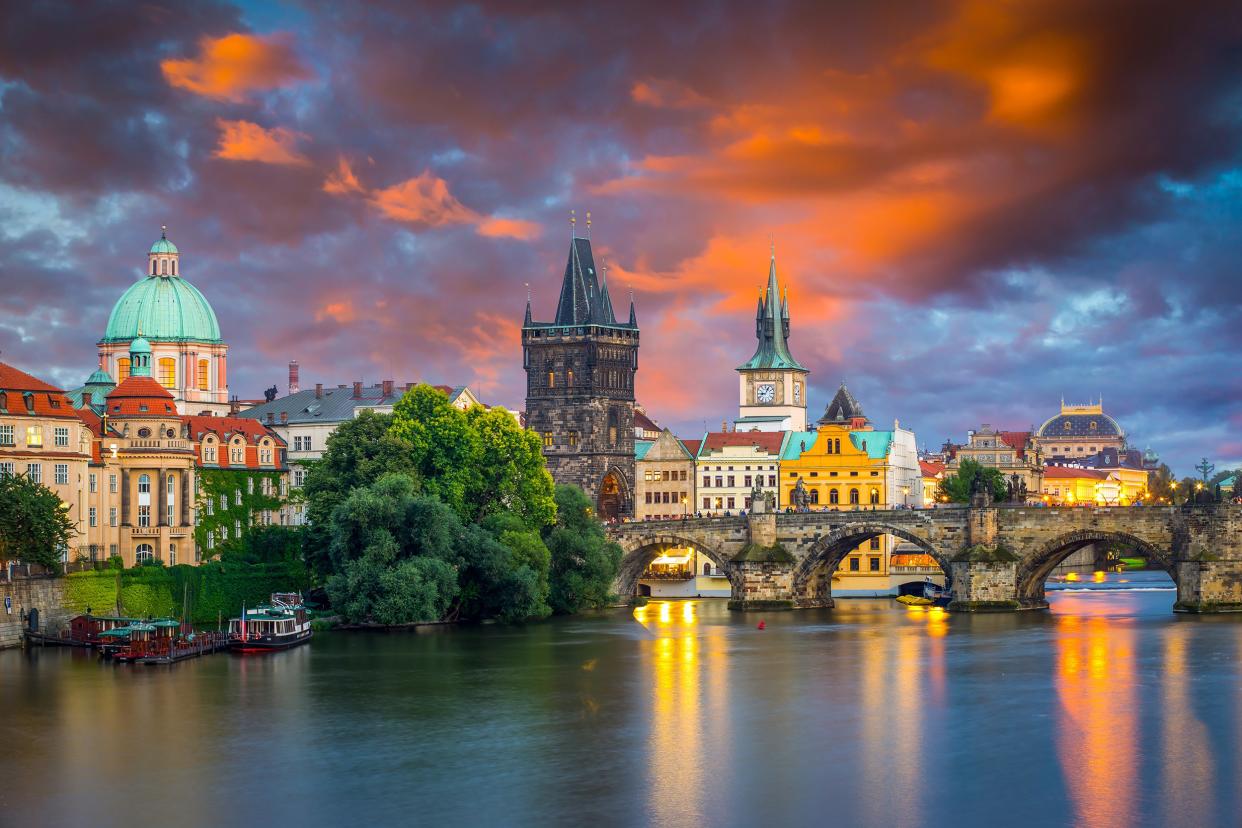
pixel 1187 762
pixel 1097 729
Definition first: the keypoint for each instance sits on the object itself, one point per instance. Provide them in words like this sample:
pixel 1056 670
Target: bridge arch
pixel 643 549
pixel 1034 569
pixel 812 577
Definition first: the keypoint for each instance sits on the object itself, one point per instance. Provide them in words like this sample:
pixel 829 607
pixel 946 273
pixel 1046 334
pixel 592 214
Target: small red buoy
pixel 763 625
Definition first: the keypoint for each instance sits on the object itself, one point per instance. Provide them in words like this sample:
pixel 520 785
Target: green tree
pixel 584 562
pixel 266 545
pixel 34 526
pixel 445 451
pixel 358 453
pixel 1160 484
pixel 957 487
pixel 514 476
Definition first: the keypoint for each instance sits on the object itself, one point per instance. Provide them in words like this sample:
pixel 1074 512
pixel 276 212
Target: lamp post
pixel 685 508
pixel 905 496
pixel 1173 486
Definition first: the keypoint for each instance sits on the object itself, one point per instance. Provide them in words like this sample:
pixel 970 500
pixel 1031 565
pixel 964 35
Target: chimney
pixel 271 418
pixel 388 385
pixel 284 418
pixel 318 390
pixel 234 406
pixel 293 377
pixel 357 390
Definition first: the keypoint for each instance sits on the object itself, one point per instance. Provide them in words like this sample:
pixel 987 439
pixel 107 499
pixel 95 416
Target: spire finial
pixel 164 231
pixel 527 292
pixel 588 224
pixel 772 247
pixel 573 220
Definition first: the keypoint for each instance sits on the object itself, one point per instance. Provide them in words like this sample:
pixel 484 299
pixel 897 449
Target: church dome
pixel 1081 425
pixel 163 307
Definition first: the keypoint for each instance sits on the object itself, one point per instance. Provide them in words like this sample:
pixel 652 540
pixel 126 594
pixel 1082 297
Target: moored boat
pixel 282 624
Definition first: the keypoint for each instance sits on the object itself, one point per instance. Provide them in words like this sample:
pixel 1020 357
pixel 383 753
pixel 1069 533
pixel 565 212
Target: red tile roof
pixel 931 469
pixel 226 427
pixel 140 396
pixel 692 446
pixel 1015 439
pixel 45 400
pixel 768 441
pixel 644 422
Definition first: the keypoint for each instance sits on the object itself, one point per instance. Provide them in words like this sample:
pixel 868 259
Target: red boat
pixel 277 626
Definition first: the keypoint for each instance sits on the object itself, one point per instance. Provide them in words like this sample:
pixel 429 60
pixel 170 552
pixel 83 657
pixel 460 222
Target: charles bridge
pixel 996 557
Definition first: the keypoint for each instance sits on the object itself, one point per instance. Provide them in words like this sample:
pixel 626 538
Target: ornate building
pixel 188 356
pixel 580 386
pixel 772 384
pixel 1011 452
pixel 1079 431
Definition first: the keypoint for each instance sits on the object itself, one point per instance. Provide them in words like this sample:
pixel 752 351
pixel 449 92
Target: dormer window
pixel 1093 425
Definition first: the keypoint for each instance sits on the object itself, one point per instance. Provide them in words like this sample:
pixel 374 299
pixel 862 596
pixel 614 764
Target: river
pixel 1106 710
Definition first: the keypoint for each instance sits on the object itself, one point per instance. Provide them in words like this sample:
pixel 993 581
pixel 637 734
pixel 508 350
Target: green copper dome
pixel 164 245
pixel 164 309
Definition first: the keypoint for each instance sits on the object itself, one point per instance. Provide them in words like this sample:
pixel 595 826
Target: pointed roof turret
pixel 772 329
pixel 633 315
pixel 605 301
pixel 842 409
pixel 583 301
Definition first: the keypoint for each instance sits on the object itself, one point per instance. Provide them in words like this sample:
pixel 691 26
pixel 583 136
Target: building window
pixel 144 516
pixel 112 483
pixel 144 553
pixel 853 564
pixel 211 540
pixel 299 478
pixel 204 375
pixel 772 480
pixel 833 497
pixel 875 564
pixel 551 379
pixel 144 484
pixel 854 497
pixel 94 483
pixel 572 438
pixel 707 503
pixel 112 516
pixel 6 435
pixel 92 517
pixel 224 502
pixel 237 495
pixel 875 542
pixel 34 436
pixel 172 554
pixel 168 372
pixel 60 436
pixel 707 482
pixel 249 487
pixel 237 528
pixel 122 370
pixel 34 472
pixel 211 506
pixel 720 482
pixel 209 453
pixel 731 502
pixel 548 439
pixel 746 481
pixel 814 496
pixel 60 473
pixel 172 515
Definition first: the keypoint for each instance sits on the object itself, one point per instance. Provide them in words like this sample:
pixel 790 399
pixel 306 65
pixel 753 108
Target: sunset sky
pixel 978 207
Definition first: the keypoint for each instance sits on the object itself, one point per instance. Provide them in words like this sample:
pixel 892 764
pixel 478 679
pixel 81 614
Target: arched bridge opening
pixel 815 573
pixel 684 554
pixel 1034 569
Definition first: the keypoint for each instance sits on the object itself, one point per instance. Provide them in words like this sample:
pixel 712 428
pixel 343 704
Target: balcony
pixel 171 444
pixel 145 531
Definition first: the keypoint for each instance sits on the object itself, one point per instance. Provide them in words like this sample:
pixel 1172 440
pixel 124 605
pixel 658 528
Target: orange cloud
pixel 229 67
pixel 341 311
pixel 342 181
pixel 424 199
pixel 512 228
pixel 246 141
pixel 666 94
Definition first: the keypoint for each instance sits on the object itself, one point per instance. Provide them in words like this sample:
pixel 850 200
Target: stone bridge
pixel 996 557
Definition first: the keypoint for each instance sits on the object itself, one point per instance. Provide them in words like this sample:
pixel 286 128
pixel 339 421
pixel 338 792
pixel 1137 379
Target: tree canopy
pixel 34 525
pixel 958 486
pixel 584 562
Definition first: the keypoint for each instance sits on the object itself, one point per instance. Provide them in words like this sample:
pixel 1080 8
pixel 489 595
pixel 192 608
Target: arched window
pixel 168 372
pixel 830 447
pixel 815 496
pixel 551 379
pixel 569 378
pixel 204 374
pixel 833 497
pixel 174 267
pixel 838 444
pixel 144 553
pixel 144 484
pixel 122 370
pixel 707 569
pixel 153 267
pixel 854 497
pixel 875 497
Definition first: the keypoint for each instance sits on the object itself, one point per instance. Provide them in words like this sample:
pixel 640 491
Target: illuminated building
pixel 1010 452
pixel 730 464
pixel 664 477
pixel 772 384
pixel 1079 431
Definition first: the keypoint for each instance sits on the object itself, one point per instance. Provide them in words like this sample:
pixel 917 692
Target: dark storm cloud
pixel 979 207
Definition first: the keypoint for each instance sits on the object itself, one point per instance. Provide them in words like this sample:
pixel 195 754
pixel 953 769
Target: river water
pixel 1107 710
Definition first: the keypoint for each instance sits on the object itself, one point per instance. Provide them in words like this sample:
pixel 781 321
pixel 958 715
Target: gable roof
pixel 29 396
pixel 842 408
pixel 768 442
pixel 930 469
pixel 139 396
pixel 336 405
pixel 226 427
pixel 644 422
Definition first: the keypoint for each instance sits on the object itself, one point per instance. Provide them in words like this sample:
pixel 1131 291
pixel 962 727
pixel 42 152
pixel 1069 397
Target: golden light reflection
pixel 1098 577
pixel 1097 732
pixel 684 665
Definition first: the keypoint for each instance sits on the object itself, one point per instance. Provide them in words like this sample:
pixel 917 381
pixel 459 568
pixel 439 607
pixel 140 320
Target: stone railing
pixel 171 443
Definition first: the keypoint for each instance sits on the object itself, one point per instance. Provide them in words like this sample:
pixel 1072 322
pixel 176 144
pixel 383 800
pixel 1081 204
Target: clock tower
pixel 772 383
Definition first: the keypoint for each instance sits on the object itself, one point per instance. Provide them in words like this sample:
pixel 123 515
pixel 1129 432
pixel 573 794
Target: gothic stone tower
pixel 580 386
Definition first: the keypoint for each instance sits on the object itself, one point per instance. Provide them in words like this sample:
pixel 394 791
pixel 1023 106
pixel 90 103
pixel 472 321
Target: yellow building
pixel 845 464
pixel 1073 486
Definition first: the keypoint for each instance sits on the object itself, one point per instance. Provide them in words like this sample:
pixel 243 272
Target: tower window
pixel 204 370
pixel 551 379
pixel 122 370
pixel 569 378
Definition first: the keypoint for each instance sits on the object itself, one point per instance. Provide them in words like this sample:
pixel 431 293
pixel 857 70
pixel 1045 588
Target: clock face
pixel 765 392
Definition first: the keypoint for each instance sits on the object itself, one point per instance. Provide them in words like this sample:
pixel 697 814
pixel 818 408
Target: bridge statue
pixel 759 499
pixel 993 559
pixel 269 394
pixel 799 497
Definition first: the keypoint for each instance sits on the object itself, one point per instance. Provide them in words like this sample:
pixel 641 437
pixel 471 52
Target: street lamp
pixel 685 509
pixel 905 495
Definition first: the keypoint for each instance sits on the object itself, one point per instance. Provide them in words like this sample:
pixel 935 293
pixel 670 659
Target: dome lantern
pixel 139 357
pixel 162 260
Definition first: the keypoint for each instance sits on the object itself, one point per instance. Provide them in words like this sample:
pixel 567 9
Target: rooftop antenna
pixel 573 220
